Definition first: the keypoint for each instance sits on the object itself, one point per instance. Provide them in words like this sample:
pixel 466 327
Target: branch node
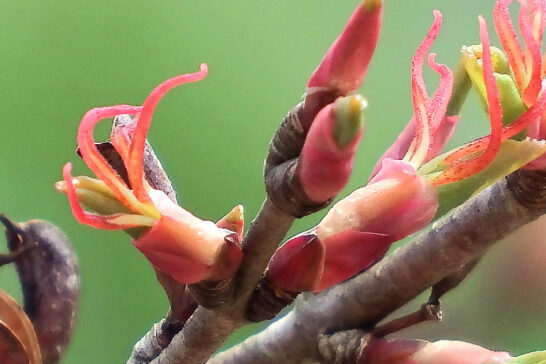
pixel 427 312
pixel 528 188
pixel 212 294
pixel 266 302
pixel 282 181
pixel 342 347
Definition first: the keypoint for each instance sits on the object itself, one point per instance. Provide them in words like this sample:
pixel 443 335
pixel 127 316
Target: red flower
pixel 174 241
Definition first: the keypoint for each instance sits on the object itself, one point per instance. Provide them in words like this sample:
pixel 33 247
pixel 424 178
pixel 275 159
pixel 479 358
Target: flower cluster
pixel 406 189
pixel 407 185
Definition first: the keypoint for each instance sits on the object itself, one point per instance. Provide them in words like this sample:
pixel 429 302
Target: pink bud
pixel 326 160
pixel 350 252
pixel 382 351
pixel 345 64
pixel 357 231
pixel 396 202
pixel 297 265
pixel 360 228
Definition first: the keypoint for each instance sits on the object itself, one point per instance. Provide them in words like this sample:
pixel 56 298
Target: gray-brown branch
pixel 453 241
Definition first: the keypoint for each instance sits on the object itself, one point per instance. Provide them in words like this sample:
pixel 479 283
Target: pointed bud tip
pixel 297 265
pixel 235 215
pixel 9 224
pixel 348 113
pixel 60 186
pixel 372 5
pixel 234 221
pixel 474 54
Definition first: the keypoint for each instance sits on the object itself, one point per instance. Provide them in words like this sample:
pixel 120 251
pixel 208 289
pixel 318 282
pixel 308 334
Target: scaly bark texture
pixel 455 240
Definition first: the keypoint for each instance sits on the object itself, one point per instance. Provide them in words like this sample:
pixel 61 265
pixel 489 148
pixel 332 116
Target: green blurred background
pixel 61 58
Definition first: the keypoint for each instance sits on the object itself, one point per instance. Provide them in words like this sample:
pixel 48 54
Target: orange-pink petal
pixel 418 88
pixel 509 41
pixel 438 105
pixel 525 119
pixel 465 168
pixel 90 154
pixel 532 51
pixel 134 162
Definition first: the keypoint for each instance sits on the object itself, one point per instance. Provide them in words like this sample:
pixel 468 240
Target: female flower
pixel 174 241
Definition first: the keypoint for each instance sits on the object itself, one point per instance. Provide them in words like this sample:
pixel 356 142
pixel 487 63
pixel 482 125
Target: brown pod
pixel 282 182
pixel 266 302
pixel 49 275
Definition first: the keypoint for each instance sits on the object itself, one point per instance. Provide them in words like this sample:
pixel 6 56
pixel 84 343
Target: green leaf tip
pixel 348 114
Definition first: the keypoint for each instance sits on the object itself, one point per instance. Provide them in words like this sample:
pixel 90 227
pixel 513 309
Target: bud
pixel 343 68
pixel 396 202
pixel 510 99
pixel 326 160
pixel 357 231
pixel 234 221
pixel 351 252
pixel 345 64
pixel 297 265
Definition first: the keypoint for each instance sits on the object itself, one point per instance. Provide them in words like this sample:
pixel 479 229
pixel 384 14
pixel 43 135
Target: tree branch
pixel 453 241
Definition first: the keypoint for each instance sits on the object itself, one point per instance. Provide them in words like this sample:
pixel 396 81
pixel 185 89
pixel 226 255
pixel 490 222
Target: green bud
pixel 510 99
pixel 348 114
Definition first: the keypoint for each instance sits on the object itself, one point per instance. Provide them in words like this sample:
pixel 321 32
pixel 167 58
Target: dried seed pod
pixel 18 342
pixel 12 350
pixel 282 182
pixel 49 275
